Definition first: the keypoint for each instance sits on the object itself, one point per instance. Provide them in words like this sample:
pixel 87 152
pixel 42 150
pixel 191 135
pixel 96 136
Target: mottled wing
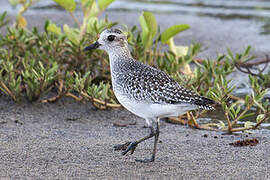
pixel 145 83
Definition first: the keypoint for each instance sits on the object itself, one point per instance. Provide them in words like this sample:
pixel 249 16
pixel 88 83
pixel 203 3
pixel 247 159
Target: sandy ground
pixel 72 139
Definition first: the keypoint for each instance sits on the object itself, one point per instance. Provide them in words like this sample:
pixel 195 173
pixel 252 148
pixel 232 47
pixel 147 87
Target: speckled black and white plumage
pixel 143 83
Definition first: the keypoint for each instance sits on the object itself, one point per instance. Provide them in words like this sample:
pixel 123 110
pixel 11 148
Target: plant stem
pixel 101 102
pixel 75 19
pixel 244 112
pixel 8 91
pixel 229 122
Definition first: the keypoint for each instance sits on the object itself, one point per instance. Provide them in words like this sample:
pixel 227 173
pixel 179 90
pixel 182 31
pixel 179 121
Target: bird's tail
pixel 205 103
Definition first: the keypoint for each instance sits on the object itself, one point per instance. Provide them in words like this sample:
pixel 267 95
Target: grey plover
pixel 144 90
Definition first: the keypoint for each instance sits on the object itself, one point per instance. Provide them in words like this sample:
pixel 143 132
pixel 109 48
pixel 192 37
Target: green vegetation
pixel 45 66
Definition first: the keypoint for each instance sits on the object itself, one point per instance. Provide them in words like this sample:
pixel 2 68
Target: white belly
pixel 153 111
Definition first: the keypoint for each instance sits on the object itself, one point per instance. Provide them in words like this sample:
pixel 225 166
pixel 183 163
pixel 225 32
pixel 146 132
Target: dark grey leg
pixel 131 146
pixel 156 134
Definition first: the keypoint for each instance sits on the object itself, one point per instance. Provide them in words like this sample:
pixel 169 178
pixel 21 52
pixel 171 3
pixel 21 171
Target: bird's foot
pixel 125 148
pixel 145 160
pixel 121 147
pixel 131 147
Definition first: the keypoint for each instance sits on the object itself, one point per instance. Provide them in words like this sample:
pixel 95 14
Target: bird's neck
pixel 117 59
pixel 119 53
pixel 117 56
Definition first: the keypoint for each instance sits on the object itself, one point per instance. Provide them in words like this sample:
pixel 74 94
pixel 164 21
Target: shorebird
pixel 144 90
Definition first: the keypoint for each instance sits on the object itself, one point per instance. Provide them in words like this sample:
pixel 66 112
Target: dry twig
pixel 59 95
pixel 100 103
pixel 8 91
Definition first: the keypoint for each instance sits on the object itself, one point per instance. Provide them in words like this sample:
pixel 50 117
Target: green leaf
pixel 3 20
pixel 14 2
pixel 237 110
pixel 149 28
pixel 172 31
pixel 230 54
pixel 247 98
pixel 246 115
pixel 248 124
pixel 259 104
pixel 86 6
pixel 151 22
pixel 103 4
pixel 247 50
pixel 259 117
pixel 221 125
pixel 91 25
pixel 71 34
pixel 69 5
pixel 93 10
pixel 90 8
pixel 54 29
pixel 181 50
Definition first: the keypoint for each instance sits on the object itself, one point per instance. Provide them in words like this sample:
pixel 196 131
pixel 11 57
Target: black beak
pixel 92 46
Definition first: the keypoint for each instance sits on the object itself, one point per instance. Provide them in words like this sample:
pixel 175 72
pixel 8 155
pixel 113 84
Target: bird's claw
pixel 125 148
pixel 121 147
pixel 131 147
pixel 145 160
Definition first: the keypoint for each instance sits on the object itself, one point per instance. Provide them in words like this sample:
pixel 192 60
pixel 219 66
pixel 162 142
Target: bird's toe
pixel 131 147
pixel 121 147
pixel 145 160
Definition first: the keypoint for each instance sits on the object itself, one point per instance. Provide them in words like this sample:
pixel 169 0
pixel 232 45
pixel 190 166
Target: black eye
pixel 111 37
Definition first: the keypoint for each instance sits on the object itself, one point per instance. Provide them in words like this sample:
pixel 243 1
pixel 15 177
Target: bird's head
pixel 110 40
